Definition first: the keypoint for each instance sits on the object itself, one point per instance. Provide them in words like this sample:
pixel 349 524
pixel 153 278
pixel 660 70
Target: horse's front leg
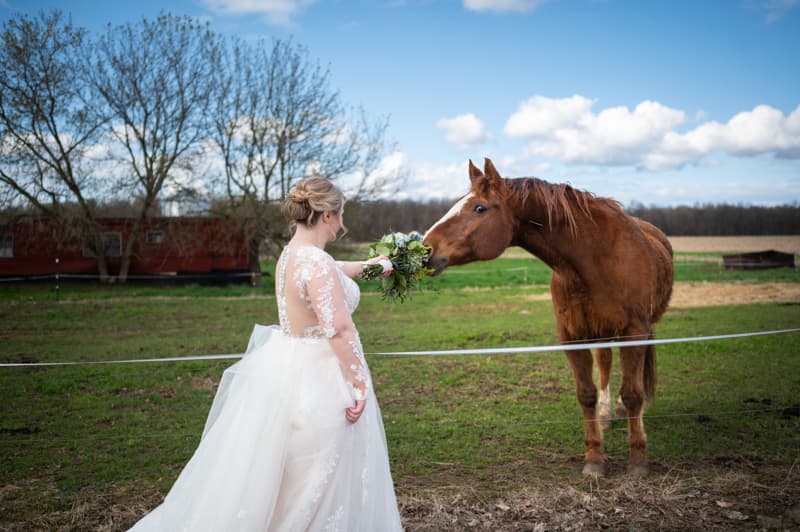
pixel 581 363
pixel 604 358
pixel 632 393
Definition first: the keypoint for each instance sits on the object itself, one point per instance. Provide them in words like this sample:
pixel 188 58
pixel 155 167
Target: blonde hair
pixel 311 197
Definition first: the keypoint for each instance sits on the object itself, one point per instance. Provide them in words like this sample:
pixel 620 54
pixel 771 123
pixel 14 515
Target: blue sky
pixel 661 102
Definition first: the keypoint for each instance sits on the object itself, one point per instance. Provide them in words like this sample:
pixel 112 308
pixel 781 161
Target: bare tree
pixel 277 120
pixel 46 128
pixel 154 79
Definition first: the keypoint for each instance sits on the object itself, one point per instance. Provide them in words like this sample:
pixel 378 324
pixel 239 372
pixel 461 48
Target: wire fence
pixel 23 436
pixel 445 352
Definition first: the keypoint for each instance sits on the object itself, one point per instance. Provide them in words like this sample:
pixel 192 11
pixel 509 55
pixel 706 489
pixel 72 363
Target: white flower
pixel 400 239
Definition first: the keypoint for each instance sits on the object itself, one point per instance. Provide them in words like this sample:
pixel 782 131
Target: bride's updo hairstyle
pixel 311 197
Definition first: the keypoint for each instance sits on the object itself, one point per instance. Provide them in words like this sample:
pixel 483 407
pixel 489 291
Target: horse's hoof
pixel 594 469
pixel 638 471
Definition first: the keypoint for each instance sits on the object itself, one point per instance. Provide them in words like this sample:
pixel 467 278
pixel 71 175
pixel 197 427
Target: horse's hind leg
pixel 604 358
pixel 620 412
pixel 633 396
pixel 581 363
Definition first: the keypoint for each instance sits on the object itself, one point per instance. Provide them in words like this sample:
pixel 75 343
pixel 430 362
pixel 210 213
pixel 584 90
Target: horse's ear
pixel 491 172
pixel 475 174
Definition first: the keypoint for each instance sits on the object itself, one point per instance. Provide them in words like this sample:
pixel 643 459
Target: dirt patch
pixel 735 244
pixel 706 294
pixel 689 496
pixel 709 294
pixel 202 383
pixel 677 499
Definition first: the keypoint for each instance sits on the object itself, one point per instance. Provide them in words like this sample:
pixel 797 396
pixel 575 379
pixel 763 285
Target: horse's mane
pixel 558 199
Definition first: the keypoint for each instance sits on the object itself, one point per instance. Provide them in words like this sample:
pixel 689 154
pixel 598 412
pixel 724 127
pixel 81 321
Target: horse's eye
pixel 480 208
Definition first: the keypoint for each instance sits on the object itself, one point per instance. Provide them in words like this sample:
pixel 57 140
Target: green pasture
pixel 505 271
pixel 121 433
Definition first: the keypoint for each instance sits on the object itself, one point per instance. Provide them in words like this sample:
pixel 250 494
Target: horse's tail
pixel 650 372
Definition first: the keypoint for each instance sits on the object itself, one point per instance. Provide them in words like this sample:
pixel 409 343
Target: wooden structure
pixel 758 260
pixel 165 247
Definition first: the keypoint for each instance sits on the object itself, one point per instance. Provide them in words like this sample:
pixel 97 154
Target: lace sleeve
pixel 326 297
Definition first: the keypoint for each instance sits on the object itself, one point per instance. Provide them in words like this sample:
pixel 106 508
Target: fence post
pixel 58 271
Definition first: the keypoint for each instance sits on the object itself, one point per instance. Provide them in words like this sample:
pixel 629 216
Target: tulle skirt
pixel 278 454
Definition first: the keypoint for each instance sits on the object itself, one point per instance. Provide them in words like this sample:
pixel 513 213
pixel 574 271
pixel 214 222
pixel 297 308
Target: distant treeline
pixel 722 220
pixel 369 220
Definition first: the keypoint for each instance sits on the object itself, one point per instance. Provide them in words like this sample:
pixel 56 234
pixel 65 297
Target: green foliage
pixel 408 256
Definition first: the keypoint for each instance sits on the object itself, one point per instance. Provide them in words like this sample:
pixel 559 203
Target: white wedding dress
pixel 277 452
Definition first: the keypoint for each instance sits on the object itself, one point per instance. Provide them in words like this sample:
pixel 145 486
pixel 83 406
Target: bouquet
pixel 408 256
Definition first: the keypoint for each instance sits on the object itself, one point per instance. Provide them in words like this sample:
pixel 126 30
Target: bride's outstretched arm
pixel 351 269
pixel 354 269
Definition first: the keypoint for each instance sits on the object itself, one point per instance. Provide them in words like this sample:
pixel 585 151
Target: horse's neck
pixel 546 243
pixel 551 235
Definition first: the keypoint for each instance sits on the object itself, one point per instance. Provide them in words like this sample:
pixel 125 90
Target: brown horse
pixel 612 278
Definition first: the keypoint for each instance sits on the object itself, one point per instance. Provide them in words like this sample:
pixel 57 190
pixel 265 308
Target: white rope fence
pixel 581 346
pixel 446 352
pixel 54 441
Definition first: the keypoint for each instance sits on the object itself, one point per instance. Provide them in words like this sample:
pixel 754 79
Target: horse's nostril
pixel 437 264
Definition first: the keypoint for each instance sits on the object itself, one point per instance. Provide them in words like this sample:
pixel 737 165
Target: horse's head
pixel 480 226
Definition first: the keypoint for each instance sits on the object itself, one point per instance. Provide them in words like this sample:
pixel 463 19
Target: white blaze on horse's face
pixel 454 211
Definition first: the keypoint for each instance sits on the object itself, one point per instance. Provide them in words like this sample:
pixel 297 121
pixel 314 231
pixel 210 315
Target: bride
pixel 294 440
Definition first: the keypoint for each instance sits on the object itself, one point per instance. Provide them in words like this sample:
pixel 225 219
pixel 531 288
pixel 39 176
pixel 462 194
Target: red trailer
pixel 165 246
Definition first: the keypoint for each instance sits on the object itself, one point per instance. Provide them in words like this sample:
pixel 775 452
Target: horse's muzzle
pixel 436 264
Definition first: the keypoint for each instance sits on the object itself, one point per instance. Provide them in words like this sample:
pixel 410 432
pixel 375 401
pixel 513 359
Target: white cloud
pixel 437 181
pixel 540 115
pixel 760 131
pixel 567 129
pixel 465 131
pixel 382 182
pixel 570 131
pixel 389 171
pixel 391 165
pixel 503 6
pixel 277 12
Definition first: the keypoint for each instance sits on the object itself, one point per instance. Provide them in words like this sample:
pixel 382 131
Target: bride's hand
pixel 387 271
pixel 353 413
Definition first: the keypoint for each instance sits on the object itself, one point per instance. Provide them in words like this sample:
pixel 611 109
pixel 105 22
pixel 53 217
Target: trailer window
pixel 7 246
pixel 154 237
pixel 112 245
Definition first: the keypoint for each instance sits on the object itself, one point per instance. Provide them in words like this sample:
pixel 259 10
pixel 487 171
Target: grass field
pixel 476 443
